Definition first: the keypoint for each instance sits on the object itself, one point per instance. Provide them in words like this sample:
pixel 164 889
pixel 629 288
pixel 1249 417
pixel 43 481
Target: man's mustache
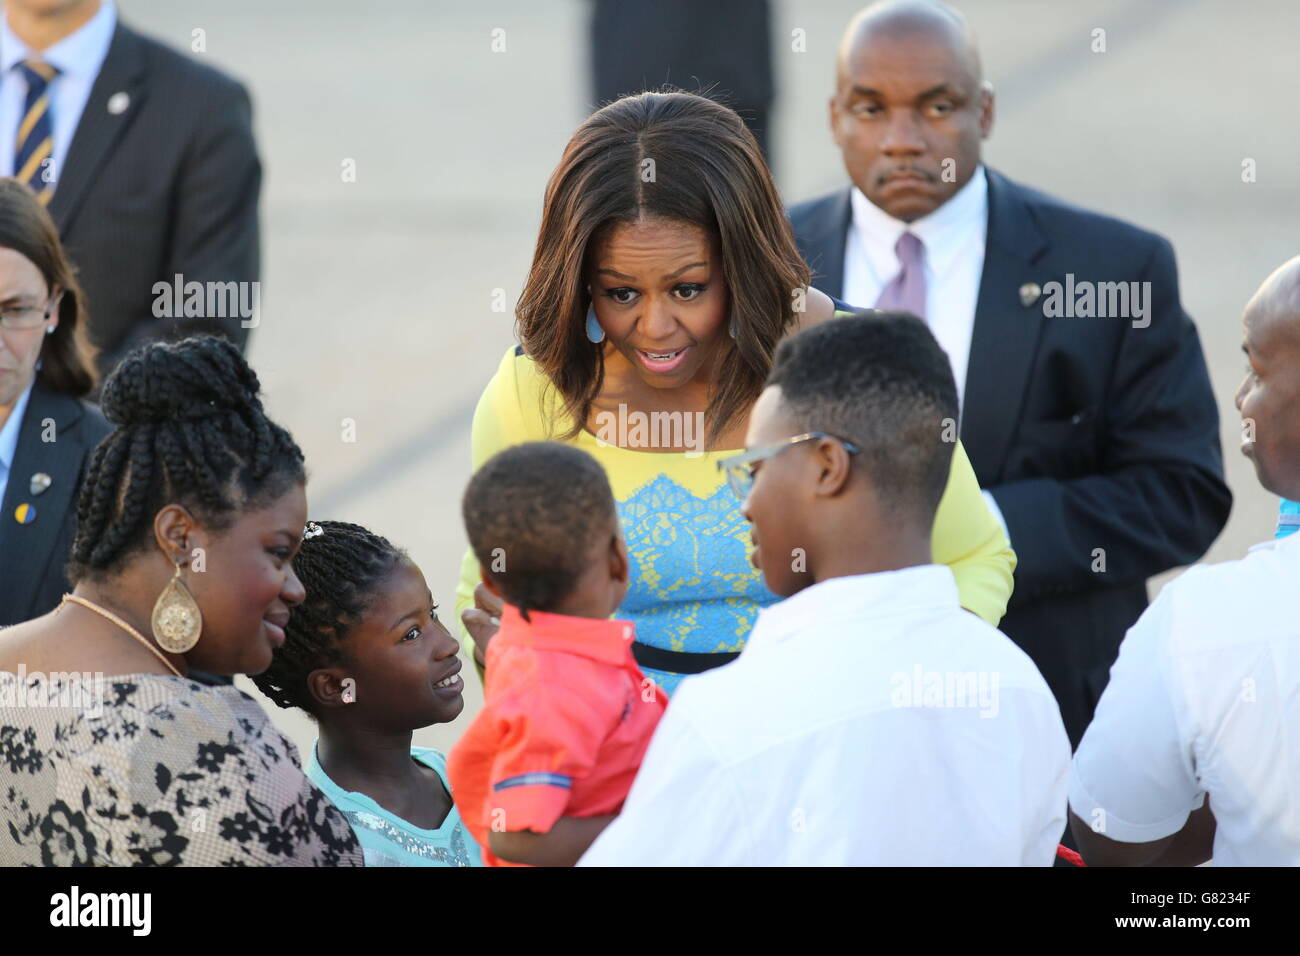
pixel 905 171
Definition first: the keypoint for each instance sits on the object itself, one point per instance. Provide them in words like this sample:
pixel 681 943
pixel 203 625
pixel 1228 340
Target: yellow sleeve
pixel 509 411
pixel 969 539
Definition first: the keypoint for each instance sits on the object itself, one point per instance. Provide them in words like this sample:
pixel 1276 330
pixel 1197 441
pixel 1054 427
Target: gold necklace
pixel 124 626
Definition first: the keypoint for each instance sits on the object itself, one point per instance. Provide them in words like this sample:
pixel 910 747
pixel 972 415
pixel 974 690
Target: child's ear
pixel 332 688
pixel 489 583
pixel 618 560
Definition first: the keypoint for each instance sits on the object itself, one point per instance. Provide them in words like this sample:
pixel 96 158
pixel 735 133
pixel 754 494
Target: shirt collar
pixel 857 598
pixel 944 231
pixel 607 641
pixel 13 425
pixel 81 52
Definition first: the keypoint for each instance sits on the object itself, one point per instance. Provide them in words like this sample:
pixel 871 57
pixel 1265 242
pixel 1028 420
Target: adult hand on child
pixel 482 621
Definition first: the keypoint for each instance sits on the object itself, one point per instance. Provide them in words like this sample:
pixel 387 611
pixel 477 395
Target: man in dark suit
pixel 147 163
pixel 1086 405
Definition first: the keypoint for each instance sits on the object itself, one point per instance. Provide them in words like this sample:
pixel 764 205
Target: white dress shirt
pixel 9 438
pixel 1204 699
pixel 78 57
pixel 953 236
pixel 869 721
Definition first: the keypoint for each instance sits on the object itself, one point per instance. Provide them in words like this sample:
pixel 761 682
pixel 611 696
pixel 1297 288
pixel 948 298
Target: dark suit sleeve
pixel 1158 499
pixel 215 232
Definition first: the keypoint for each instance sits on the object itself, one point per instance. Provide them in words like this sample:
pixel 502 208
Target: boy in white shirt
pixel 870 720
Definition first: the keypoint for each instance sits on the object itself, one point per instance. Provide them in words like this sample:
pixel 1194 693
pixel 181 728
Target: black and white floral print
pixel 163 771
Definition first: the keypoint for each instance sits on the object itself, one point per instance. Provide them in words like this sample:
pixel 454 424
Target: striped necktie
pixel 33 162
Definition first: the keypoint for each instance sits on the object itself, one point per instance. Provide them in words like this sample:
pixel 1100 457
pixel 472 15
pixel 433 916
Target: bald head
pixel 1270 393
pixel 892 20
pixel 1277 302
pixel 911 107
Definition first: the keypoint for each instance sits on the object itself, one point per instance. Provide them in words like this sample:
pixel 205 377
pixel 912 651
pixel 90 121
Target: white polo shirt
pixel 870 720
pixel 1205 699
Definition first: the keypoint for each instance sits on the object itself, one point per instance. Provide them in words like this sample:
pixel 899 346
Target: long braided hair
pixel 190 431
pixel 340 568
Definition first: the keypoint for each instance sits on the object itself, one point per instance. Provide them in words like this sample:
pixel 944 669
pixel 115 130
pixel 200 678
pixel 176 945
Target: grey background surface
pixel 377 294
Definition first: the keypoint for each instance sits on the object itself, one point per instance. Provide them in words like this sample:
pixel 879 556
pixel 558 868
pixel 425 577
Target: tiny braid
pixel 341 569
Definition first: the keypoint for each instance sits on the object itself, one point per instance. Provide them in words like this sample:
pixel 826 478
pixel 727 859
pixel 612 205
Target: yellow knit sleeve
pixel 969 539
pixel 512 409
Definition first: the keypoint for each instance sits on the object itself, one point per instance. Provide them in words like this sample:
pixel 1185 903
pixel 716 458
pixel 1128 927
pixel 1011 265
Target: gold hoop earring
pixel 177 621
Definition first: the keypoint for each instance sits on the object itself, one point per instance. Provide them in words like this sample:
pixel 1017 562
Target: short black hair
pixel 881 381
pixel 190 431
pixel 340 568
pixel 531 513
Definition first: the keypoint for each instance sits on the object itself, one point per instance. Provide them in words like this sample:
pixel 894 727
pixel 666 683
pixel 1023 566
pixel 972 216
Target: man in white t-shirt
pixel 1195 748
pixel 870 720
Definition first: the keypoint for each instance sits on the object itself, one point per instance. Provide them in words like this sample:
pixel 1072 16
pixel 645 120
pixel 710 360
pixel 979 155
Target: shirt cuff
pixel 1086 808
pixel 530 801
pixel 997 512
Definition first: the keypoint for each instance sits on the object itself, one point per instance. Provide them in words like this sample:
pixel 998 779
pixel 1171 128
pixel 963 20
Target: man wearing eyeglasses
pixel 870 720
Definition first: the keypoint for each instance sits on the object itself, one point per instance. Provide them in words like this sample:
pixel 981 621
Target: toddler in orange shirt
pixel 567 713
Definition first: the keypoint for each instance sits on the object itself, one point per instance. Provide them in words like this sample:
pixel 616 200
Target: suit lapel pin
pixel 40 481
pixel 25 513
pixel 118 102
pixel 1029 293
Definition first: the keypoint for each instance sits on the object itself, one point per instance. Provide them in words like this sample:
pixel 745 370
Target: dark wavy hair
pixel 709 173
pixel 67 357
pixel 190 431
pixel 341 569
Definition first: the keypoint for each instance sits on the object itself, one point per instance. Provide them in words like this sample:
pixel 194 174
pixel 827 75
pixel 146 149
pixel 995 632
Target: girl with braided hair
pixel 367 658
pixel 188 520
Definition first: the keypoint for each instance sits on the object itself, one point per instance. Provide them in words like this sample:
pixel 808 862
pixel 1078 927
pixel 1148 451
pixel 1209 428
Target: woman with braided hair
pixel 188 520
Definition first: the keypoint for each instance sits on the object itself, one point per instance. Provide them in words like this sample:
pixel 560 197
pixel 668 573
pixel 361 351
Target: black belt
pixel 679 662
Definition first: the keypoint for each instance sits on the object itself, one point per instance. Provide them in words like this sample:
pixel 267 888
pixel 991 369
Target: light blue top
pixel 1288 518
pixel 9 437
pixel 387 840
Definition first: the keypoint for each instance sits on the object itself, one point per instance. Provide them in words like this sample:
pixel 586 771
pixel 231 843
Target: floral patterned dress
pixel 152 770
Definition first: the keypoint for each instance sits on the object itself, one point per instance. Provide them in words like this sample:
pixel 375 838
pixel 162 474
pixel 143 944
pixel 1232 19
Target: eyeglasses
pixel 24 318
pixel 740 468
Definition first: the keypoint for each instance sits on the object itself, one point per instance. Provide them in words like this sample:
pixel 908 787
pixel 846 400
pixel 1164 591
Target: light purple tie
pixel 906 291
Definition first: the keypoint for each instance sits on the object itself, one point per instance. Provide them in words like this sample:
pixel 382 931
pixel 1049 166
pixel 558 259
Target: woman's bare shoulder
pixel 818 308
pixel 47 644
pixel 22 644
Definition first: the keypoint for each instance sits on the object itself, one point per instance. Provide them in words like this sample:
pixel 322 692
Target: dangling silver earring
pixel 731 329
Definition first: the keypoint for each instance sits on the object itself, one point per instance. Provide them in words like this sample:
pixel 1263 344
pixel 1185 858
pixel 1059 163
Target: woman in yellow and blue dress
pixel 665 273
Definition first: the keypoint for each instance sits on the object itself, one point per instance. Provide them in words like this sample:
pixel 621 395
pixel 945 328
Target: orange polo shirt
pixel 567 716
